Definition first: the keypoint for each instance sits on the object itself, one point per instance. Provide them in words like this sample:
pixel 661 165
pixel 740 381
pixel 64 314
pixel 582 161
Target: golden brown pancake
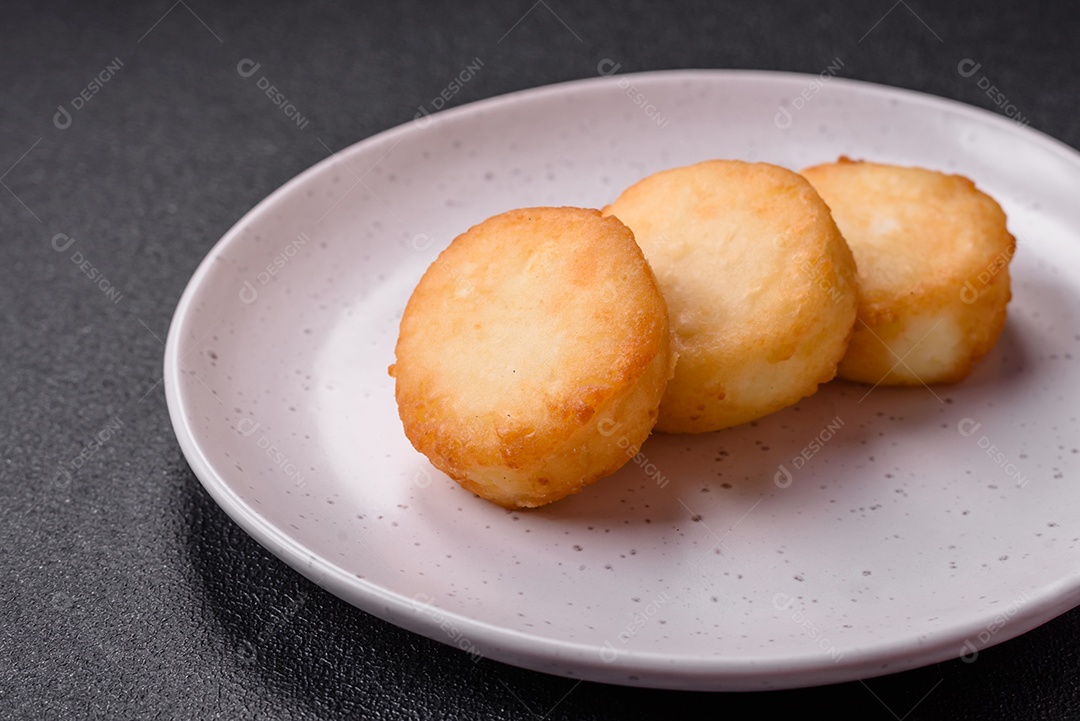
pixel 933 255
pixel 533 355
pixel 760 287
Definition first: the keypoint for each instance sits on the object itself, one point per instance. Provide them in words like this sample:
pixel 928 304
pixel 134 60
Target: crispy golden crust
pixel 933 254
pixel 533 354
pixel 759 284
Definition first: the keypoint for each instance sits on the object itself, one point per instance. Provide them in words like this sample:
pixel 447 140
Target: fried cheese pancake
pixel 933 253
pixel 533 354
pixel 759 283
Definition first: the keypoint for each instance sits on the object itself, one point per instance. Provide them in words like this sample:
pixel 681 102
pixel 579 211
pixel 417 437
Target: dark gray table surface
pixel 127 593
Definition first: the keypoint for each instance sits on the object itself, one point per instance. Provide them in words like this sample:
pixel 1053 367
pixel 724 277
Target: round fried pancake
pixel 759 284
pixel 933 256
pixel 533 354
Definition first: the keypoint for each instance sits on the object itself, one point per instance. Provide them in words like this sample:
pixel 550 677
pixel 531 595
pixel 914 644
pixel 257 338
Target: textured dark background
pixel 126 592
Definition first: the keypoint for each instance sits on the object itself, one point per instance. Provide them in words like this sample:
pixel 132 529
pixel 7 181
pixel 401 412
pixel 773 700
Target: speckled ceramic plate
pixel 861 532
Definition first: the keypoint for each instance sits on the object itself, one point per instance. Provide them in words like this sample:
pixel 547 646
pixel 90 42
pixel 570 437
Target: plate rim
pixel 654 669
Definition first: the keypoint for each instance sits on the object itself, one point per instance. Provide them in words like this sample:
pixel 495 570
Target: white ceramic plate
pixel 853 535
